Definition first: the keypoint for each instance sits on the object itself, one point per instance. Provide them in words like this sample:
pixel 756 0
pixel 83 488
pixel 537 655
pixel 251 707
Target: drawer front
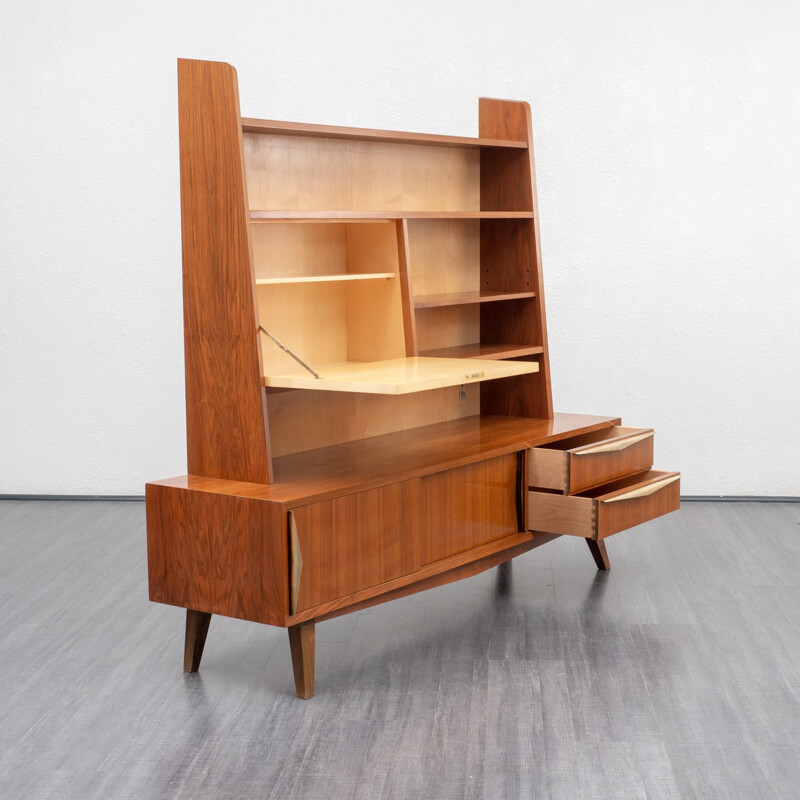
pixel 469 506
pixel 580 463
pixel 634 503
pixel 608 509
pixel 341 546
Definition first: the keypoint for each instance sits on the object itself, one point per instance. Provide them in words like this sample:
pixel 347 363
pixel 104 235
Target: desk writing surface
pixel 400 375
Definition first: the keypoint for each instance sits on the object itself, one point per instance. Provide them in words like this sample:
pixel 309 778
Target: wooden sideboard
pixel 368 401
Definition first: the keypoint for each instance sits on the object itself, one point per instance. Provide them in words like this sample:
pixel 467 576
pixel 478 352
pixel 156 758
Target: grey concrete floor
pixel 675 675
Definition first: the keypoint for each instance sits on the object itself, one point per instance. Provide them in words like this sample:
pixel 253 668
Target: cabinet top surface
pixel 321 474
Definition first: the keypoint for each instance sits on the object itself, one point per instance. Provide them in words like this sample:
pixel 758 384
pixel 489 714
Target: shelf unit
pixel 368 402
pixel 454 219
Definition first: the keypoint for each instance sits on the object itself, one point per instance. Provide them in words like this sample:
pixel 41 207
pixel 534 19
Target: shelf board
pixel 399 375
pixel 349 276
pixel 386 216
pixel 490 351
pixel 275 127
pixel 466 298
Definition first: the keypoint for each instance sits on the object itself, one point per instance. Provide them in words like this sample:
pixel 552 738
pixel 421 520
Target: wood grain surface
pixel 622 514
pixel 590 460
pixel 357 541
pixel 467 507
pixel 302 639
pixel 608 509
pixel 197 623
pixel 217 553
pixel 225 407
pixel 439 573
pixel 508 180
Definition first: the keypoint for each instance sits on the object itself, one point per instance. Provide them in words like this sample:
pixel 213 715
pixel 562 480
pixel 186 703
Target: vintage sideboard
pixel 368 401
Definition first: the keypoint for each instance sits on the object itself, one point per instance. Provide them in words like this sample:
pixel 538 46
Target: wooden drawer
pixel 573 465
pixel 599 512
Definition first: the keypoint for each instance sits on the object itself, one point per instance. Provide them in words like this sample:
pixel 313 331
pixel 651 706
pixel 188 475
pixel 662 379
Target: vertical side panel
pixel 508 182
pixel 218 553
pixel 406 289
pixel 226 427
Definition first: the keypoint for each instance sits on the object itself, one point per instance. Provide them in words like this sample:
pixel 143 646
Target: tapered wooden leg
pixel 599 553
pixel 196 632
pixel 301 642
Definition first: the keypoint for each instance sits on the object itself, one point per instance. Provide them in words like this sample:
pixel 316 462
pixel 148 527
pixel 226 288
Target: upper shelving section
pixel 322 173
pixel 269 126
pixel 388 286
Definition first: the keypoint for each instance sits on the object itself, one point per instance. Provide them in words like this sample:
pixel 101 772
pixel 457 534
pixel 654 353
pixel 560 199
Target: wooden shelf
pixel 350 276
pixel 490 351
pixel 387 216
pixel 275 127
pixel 399 375
pixel 466 298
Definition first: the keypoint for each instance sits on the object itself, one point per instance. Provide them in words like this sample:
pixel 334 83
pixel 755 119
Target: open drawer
pixel 573 465
pixel 604 510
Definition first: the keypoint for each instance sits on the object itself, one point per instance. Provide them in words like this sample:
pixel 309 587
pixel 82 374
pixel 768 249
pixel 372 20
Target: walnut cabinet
pixel 368 397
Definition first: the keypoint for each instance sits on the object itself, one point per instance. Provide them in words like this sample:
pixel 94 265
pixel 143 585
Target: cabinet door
pixel 350 543
pixel 469 506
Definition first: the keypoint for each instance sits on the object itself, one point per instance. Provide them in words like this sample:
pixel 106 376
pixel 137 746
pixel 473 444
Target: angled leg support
pixel 599 553
pixel 301 643
pixel 196 632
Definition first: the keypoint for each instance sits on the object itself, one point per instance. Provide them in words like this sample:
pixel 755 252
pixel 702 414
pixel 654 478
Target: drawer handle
pixel 608 447
pixel 643 491
pixel 296 564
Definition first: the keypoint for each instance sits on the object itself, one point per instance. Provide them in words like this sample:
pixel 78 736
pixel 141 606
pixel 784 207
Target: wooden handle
pixel 643 491
pixel 296 562
pixel 608 447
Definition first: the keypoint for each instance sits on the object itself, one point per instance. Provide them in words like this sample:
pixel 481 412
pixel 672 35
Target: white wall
pixel 669 184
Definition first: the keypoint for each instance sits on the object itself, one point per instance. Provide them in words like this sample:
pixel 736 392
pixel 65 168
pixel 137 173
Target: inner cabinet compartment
pixel 287 252
pixel 328 292
pixel 473 288
pixel 579 463
pixel 303 419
